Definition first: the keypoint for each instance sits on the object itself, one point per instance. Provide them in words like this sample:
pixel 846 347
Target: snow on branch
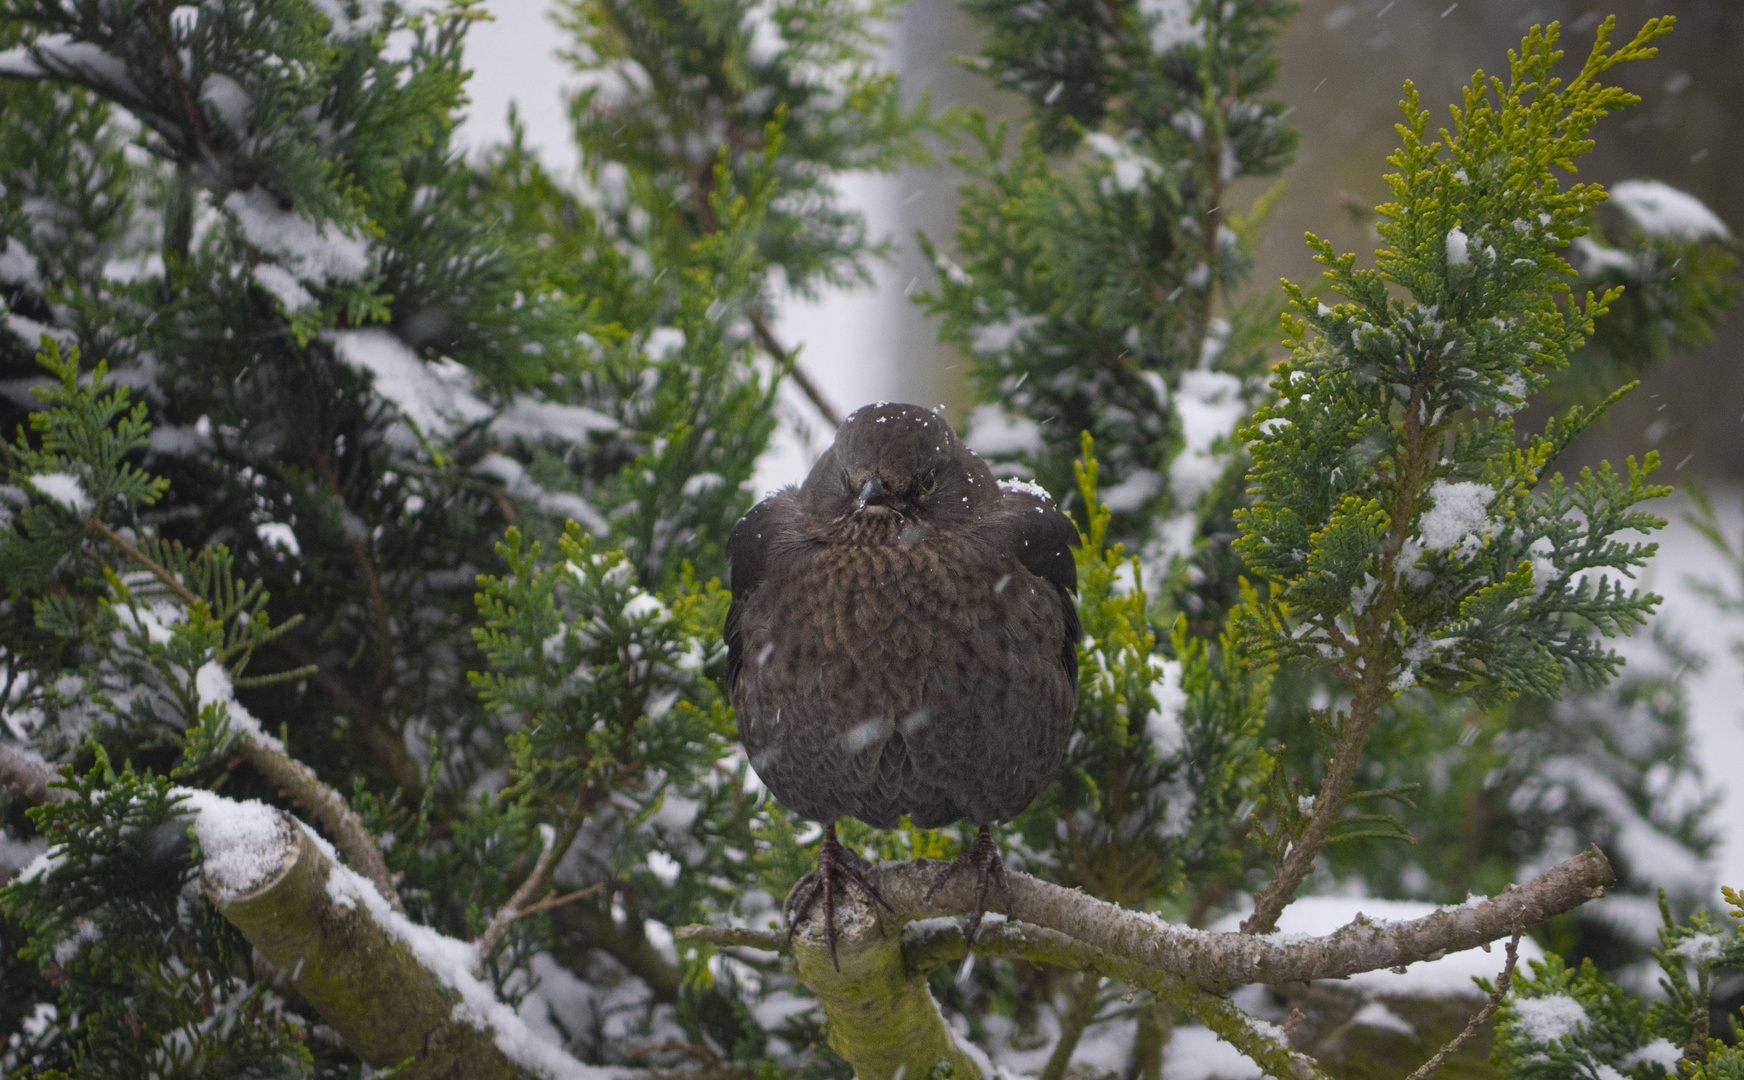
pixel 393 989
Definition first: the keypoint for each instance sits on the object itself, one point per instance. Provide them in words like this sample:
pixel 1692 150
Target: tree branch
pixel 355 963
pixel 789 362
pixel 1298 862
pixel 327 807
pixel 1080 1011
pixel 497 930
pixel 1503 982
pixel 588 926
pixel 886 1021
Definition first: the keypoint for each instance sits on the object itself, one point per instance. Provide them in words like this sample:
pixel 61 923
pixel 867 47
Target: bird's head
pixel 898 463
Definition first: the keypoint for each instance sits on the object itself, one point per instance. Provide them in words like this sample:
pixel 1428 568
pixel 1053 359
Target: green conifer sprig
pixel 1164 746
pixel 1095 275
pixel 1579 1022
pixel 1400 538
pixel 667 83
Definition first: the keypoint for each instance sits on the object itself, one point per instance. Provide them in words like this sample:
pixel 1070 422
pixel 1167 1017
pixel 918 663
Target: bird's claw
pixel 833 861
pixel 983 857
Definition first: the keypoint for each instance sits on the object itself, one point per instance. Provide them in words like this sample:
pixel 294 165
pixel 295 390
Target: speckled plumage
pixel 901 637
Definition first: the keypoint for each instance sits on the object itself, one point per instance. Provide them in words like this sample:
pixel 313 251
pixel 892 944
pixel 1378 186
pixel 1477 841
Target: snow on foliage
pixel 1461 509
pixel 1171 24
pixel 1661 210
pixel 436 403
pixel 64 489
pixel 318 253
pixel 1548 1019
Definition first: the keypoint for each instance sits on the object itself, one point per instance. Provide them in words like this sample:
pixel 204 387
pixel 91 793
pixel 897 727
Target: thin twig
pixel 553 900
pixel 1503 982
pixel 790 363
pixel 1080 1011
pixel 496 932
pixel 158 570
pixel 1298 863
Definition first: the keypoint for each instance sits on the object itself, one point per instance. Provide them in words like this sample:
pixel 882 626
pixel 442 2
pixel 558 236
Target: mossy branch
pixel 882 1017
pixel 367 983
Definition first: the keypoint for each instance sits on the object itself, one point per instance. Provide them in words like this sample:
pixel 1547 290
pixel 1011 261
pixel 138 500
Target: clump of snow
pixel 703 483
pixel 1450 976
pixel 1458 247
pixel 1376 1015
pixel 369 16
pixel 521 486
pixel 1171 24
pixel 1661 210
pixel 1131 169
pixel 212 686
pixel 1547 1019
pixel 19 267
pixel 664 867
pixel 60 55
pixel 995 339
pixel 65 489
pixel 1163 724
pixel 1515 386
pixel 1210 405
pixel 1028 487
pixel 243 845
pixel 645 604
pixel 529 418
pixel 1597 258
pixel 228 100
pixel 435 402
pixel 663 341
pixel 278 534
pixel 1659 1051
pixel 1461 509
pixel 319 253
pixel 766 43
pixel 1701 948
pixel 1139 487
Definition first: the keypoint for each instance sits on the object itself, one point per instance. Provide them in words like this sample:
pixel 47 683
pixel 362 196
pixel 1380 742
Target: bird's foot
pixel 983 858
pixel 833 861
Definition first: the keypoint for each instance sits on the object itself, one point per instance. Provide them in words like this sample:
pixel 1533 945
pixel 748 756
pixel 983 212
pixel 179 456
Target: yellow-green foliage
pixel 1400 536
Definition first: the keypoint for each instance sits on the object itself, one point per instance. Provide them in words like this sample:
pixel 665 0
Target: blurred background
pixel 1344 63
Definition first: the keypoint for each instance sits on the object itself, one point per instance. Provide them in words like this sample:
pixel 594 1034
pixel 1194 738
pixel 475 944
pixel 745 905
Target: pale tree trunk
pixel 333 952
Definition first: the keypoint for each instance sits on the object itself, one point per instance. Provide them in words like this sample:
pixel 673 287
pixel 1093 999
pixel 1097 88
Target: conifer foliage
pixel 350 479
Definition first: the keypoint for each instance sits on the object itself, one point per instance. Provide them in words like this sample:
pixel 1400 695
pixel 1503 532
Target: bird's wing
pixel 747 556
pixel 1042 538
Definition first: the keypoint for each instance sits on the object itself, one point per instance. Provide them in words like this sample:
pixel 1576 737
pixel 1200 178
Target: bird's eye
pixel 930 481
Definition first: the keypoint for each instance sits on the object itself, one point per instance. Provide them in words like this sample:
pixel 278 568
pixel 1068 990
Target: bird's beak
pixel 872 493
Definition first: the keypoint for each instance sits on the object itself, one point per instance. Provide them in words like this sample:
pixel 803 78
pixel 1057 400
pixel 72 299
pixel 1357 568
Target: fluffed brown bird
pixel 902 640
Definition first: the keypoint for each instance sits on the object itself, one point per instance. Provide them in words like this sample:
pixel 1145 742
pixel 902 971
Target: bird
pixel 902 639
